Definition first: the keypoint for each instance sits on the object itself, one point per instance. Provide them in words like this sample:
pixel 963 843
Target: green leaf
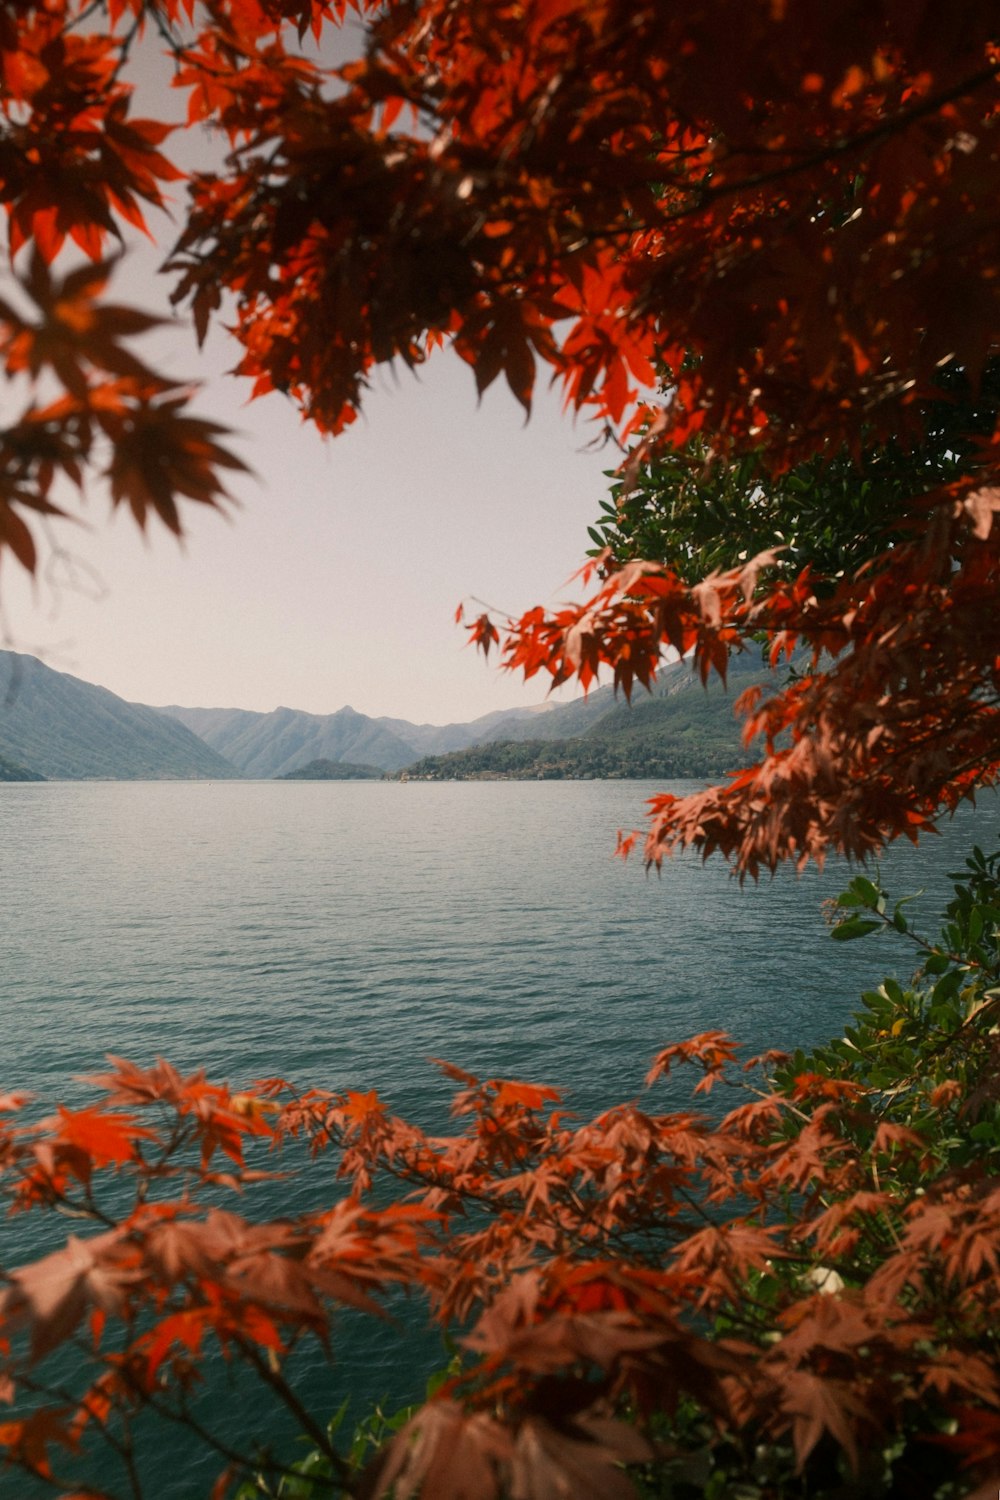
pixel 947 987
pixel 337 1420
pixel 854 927
pixel 869 893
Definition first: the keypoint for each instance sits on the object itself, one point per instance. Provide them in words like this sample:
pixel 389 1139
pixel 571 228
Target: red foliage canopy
pixel 584 1261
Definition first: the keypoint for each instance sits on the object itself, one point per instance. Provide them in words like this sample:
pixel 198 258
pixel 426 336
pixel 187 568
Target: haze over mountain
pixel 284 740
pixel 59 726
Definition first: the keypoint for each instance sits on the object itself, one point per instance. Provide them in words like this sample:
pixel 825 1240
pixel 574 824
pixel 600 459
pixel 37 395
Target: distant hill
pixel 65 728
pixel 333 770
pixel 682 730
pixel 276 743
pixel 11 771
pixel 272 744
pixel 287 740
pixel 53 725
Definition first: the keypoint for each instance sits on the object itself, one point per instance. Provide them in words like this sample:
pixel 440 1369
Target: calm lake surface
pixel 343 933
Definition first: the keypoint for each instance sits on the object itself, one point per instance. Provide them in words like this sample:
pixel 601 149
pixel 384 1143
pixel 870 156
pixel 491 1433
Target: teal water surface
pixel 342 934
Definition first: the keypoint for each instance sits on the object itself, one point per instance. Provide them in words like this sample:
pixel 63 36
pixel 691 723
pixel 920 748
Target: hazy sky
pixel 337 578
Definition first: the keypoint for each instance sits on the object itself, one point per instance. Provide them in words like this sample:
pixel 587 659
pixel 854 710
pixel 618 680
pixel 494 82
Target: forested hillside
pixel 333 770
pixel 684 730
pixel 11 771
pixel 287 740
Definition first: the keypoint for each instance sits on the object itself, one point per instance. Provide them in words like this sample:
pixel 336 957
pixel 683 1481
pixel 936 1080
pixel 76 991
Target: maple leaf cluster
pixel 76 165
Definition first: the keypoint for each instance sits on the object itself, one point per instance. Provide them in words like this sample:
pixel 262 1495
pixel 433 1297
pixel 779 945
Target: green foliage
pixel 699 511
pixel 315 1477
pixel 333 770
pixel 922 1062
pixel 910 1046
pixel 909 1098
pixel 695 1466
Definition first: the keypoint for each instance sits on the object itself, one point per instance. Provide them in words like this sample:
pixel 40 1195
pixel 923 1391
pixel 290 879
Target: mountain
pixel 63 727
pixel 333 770
pixel 11 771
pixel 282 741
pixel 277 743
pixel 681 730
pixel 272 744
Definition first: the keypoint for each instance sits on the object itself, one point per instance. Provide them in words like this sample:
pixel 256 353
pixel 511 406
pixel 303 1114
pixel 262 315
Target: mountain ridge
pixel 280 741
pixel 671 733
pixel 58 726
pixel 63 728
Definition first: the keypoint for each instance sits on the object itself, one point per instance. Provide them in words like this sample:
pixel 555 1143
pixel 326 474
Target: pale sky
pixel 336 580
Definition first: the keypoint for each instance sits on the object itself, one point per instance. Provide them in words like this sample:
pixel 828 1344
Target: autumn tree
pixel 756 244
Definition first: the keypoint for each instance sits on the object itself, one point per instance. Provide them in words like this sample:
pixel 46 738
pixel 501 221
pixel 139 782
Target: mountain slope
pixel 272 744
pixel 286 739
pixel 682 730
pixel 333 770
pixel 65 728
pixel 11 771
pixel 567 720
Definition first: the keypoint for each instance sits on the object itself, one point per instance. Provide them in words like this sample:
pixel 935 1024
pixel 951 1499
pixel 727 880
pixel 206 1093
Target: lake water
pixel 343 933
